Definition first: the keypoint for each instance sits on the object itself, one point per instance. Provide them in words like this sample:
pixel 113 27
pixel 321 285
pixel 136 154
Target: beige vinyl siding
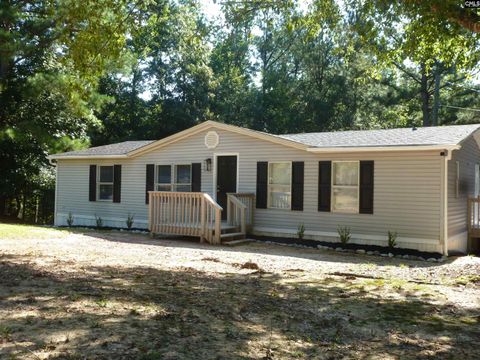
pixel 467 157
pixel 406 198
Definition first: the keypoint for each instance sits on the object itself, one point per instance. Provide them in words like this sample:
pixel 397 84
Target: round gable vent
pixel 211 140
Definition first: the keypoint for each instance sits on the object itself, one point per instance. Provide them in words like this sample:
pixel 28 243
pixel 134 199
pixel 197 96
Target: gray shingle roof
pixel 122 148
pixel 439 135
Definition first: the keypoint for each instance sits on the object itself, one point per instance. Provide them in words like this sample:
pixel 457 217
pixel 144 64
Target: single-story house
pixel 413 181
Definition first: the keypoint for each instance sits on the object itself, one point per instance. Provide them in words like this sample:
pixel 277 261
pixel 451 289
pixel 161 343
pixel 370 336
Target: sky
pixel 211 8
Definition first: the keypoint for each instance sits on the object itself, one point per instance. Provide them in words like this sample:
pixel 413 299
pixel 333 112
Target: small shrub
pixel 5 333
pixel 102 302
pixel 392 239
pixel 129 221
pixel 99 221
pixel 70 219
pixel 344 234
pixel 301 231
pixel 250 265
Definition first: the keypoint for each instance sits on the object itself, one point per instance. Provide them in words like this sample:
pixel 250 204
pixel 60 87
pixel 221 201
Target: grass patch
pixel 467 279
pixel 19 231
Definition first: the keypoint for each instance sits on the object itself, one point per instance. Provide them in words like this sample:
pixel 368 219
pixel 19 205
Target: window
pixel 164 178
pixel 105 183
pixel 279 185
pixel 183 178
pixel 345 189
pixel 174 178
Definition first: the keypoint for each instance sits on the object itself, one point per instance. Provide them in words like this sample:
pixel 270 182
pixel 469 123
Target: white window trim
pixel 104 183
pixel 173 177
pixel 268 185
pixel 332 186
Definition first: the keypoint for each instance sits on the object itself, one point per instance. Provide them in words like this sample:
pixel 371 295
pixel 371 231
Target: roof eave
pixel 383 148
pixel 80 157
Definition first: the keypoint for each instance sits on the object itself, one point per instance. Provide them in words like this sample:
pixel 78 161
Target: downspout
pixel 447 155
pixel 53 162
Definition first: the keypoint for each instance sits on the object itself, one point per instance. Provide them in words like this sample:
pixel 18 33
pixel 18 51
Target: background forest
pixel 84 73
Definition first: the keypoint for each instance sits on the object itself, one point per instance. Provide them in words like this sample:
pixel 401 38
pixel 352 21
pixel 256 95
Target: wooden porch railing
pixel 185 213
pixel 473 221
pixel 240 210
pixel 211 221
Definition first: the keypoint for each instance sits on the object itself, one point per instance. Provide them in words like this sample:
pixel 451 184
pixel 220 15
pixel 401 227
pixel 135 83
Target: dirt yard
pixel 117 295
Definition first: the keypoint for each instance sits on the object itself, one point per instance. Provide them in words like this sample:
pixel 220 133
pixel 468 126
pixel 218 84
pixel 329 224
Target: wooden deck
pixel 473 224
pixel 197 214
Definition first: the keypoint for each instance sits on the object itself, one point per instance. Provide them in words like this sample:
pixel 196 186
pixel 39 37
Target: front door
pixel 226 180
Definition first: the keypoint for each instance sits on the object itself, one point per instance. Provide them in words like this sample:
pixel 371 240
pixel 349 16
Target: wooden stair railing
pixel 473 222
pixel 211 220
pixel 185 213
pixel 240 210
pixel 236 213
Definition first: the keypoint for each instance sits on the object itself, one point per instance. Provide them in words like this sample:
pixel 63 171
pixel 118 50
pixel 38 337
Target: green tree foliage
pixel 51 55
pixel 74 73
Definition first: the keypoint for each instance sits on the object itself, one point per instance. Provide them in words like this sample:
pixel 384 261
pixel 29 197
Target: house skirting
pixel 429 245
pixel 90 221
pixel 458 242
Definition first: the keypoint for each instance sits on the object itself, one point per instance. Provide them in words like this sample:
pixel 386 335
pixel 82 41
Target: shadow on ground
pixel 146 313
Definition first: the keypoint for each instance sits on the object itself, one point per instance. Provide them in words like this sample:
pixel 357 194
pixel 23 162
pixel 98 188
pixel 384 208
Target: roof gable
pixel 221 126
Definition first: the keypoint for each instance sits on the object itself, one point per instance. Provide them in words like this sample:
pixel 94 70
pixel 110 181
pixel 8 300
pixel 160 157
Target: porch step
pixel 232 235
pixel 229 229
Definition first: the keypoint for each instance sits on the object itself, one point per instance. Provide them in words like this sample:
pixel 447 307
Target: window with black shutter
pixel 297 185
pixel 117 183
pixel 196 177
pixel 324 185
pixel 366 187
pixel 92 188
pixel 150 180
pixel 262 185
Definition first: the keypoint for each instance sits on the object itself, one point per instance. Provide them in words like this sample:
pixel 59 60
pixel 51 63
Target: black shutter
pixel 262 187
pixel 366 187
pixel 150 182
pixel 117 183
pixel 324 185
pixel 196 177
pixel 297 185
pixel 92 190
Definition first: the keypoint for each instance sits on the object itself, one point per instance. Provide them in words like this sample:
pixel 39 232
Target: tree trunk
pixel 3 205
pixel 436 94
pixel 133 97
pixel 425 96
pixel 37 207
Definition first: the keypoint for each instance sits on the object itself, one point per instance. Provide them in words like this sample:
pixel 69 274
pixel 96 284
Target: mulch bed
pixel 374 248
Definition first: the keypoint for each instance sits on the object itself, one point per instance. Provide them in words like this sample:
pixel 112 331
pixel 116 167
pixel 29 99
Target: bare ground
pixel 104 295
